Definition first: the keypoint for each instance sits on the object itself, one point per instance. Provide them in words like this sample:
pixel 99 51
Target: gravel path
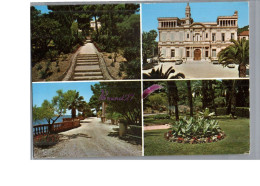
pixel 91 139
pixel 199 69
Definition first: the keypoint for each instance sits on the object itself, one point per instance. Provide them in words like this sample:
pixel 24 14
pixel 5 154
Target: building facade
pixel 188 40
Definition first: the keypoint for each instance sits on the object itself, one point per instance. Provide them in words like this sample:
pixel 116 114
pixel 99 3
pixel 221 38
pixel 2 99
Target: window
pixel 206 53
pixel 172 53
pixel 187 53
pixel 213 37
pixel 223 37
pixel 188 35
pixel 206 35
pixel 232 35
pixel 214 53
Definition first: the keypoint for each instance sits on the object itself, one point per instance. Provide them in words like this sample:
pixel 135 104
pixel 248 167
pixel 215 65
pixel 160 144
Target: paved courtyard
pixel 199 69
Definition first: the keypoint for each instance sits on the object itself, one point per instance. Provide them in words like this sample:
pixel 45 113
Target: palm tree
pixel 237 53
pixel 74 102
pixel 158 74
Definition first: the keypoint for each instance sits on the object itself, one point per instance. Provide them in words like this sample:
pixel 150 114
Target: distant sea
pixel 40 122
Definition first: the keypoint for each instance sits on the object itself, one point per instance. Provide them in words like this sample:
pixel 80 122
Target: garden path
pixel 91 139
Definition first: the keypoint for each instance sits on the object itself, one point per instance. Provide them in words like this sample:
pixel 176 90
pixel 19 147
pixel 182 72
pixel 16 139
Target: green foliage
pixel 131 109
pixel 198 128
pixel 158 74
pixel 206 114
pixel 237 53
pixel 132 69
pixel 161 116
pixel 245 28
pixel 94 101
pixel 52 54
pixel 157 101
pixel 38 67
pixel 149 44
pixel 136 130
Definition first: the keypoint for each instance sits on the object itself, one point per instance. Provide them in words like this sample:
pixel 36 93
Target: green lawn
pixel 235 142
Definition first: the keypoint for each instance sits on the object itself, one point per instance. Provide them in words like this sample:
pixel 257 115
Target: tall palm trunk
pixel 190 97
pixel 242 70
pixel 173 97
pixel 73 112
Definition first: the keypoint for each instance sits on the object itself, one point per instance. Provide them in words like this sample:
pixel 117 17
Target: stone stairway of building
pixel 87 68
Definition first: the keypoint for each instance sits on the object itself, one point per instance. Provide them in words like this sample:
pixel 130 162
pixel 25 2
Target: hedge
pixel 240 111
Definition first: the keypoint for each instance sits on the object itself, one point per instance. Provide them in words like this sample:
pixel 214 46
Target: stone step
pixel 87 55
pixel 89 68
pixel 88 60
pixel 82 78
pixel 88 74
pixel 87 63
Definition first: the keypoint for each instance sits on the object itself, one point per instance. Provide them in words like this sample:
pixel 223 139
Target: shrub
pixel 119 74
pixel 136 130
pixel 38 67
pixel 161 116
pixel 195 128
pixel 112 64
pixel 52 54
pixel 109 57
pixel 43 74
pixel 242 112
pixel 45 140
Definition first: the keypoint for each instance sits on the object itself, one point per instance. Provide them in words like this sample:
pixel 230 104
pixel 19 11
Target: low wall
pixel 67 124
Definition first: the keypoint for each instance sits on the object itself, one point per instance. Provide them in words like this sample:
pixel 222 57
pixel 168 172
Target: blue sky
pixel 200 12
pixel 42 91
pixel 42 8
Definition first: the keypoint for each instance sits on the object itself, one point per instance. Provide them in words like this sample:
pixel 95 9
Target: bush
pixel 45 140
pixel 52 54
pixel 193 130
pixel 109 57
pixel 221 111
pixel 38 67
pixel 240 111
pixel 122 67
pixel 136 130
pixel 161 116
pixel 112 64
pixel 43 74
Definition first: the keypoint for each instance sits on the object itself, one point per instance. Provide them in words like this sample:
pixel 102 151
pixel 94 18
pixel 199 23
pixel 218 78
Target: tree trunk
pixel 174 98
pixel 233 99
pixel 190 97
pixel 242 70
pixel 73 113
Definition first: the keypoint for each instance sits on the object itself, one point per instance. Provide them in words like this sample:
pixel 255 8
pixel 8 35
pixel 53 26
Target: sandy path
pixel 89 140
pixel 199 69
pixel 156 127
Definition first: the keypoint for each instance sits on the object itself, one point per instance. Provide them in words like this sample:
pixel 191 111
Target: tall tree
pixel 173 97
pixel 190 97
pixel 74 101
pixel 149 44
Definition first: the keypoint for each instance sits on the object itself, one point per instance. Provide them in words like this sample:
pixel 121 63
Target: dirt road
pixel 91 139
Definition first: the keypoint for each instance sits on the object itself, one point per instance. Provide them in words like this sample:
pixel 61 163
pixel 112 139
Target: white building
pixel 185 39
pixel 93 25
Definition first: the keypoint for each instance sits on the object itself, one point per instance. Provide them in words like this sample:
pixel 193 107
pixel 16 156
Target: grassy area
pixel 235 142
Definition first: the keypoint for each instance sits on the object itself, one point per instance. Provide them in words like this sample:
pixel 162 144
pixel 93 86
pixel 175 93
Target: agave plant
pixel 158 74
pixel 198 128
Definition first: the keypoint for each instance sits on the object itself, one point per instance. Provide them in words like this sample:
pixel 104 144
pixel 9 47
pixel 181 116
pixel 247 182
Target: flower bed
pixel 45 140
pixel 194 131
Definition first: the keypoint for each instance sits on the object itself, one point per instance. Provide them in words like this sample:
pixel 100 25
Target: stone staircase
pixel 87 68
